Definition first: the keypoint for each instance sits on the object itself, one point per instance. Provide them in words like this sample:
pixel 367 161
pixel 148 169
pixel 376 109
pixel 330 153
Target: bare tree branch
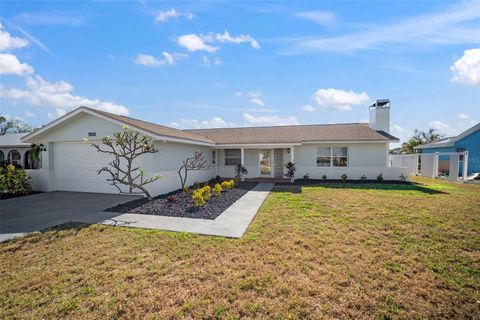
pixel 127 145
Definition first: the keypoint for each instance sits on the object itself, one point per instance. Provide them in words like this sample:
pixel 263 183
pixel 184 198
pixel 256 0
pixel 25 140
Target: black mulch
pixel 5 196
pixel 310 182
pixel 183 205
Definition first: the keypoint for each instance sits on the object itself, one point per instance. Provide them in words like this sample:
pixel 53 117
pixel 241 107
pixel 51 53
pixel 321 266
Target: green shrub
pixel 206 192
pixel 227 185
pixel 363 178
pixel 324 177
pixel 344 177
pixel 403 178
pixel 380 177
pixel 198 198
pixel 15 181
pixel 217 189
pixel 307 176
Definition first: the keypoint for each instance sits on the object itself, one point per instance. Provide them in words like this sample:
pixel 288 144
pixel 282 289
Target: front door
pixel 266 162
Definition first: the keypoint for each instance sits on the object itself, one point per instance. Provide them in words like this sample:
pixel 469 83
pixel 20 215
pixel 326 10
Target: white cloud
pixel 400 132
pixel 9 64
pixel 193 43
pixel 308 108
pixel 57 114
pixel 256 98
pixel 29 114
pixel 450 26
pixel 151 61
pixel 340 100
pixel 238 93
pixel 215 122
pixel 67 18
pixel 467 69
pixel 41 93
pixel 226 37
pixel 273 120
pixel 258 102
pixel 320 17
pixel 7 42
pixel 171 13
pixel 442 128
pixel 463 116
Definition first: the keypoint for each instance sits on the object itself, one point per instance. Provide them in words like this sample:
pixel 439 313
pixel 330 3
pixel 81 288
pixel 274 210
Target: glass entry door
pixel 266 162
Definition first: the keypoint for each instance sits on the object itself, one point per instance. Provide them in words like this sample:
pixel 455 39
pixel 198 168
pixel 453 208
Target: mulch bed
pixel 183 205
pixel 310 182
pixel 5 196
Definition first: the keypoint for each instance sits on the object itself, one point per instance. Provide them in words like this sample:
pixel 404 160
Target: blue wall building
pixel 466 141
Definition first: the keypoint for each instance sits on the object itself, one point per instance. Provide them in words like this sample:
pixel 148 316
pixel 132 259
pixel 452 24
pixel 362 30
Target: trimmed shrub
pixel 206 192
pixel 380 177
pixel 344 177
pixel 198 198
pixel 324 177
pixel 227 185
pixel 363 178
pixel 307 176
pixel 217 189
pixel 15 181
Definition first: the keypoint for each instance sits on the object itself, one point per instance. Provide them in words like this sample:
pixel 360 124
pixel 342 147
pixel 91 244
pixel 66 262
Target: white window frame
pixel 214 157
pixel 227 158
pixel 332 157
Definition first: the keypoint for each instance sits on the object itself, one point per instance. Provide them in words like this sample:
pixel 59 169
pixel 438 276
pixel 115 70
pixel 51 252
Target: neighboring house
pixel 14 151
pixel 466 141
pixel 332 150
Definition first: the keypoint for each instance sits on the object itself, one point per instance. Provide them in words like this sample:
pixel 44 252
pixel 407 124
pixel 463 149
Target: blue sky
pixel 244 63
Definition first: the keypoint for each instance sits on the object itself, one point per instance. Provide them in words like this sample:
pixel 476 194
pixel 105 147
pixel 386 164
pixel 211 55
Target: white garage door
pixel 76 166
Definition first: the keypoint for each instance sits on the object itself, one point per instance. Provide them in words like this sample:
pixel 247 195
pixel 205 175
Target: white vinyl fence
pixel 450 165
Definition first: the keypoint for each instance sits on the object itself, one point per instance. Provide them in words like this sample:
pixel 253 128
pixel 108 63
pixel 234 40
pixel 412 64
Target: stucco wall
pixel 164 163
pixel 359 155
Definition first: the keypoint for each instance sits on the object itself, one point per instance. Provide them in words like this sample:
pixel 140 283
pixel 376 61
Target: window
pixel 332 157
pixel 460 158
pixel 14 157
pixel 214 157
pixel 232 157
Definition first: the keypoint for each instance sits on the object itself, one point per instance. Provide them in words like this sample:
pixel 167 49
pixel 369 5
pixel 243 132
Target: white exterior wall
pixel 359 155
pixel 368 159
pixel 164 163
pixel 252 163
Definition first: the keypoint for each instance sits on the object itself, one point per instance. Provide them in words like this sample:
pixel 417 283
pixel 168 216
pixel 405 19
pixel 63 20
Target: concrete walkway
pixel 232 223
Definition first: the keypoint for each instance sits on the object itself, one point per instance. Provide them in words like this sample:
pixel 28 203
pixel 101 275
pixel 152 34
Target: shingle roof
pixel 155 128
pixel 294 134
pixel 254 135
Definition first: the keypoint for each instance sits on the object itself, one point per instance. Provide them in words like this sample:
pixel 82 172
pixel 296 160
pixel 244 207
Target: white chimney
pixel 380 115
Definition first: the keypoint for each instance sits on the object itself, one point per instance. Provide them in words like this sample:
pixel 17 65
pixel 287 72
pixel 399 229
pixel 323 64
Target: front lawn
pixel 372 251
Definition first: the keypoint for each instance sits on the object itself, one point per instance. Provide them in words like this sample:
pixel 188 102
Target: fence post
pixel 435 165
pixel 465 166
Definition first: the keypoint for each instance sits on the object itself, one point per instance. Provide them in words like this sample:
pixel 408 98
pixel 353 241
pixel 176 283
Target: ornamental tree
pixel 125 147
pixel 197 162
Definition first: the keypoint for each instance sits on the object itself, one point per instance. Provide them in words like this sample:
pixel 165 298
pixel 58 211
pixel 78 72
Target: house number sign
pixel 92 134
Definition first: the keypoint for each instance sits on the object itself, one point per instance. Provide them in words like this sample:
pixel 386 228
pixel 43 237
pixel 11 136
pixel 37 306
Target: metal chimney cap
pixel 381 103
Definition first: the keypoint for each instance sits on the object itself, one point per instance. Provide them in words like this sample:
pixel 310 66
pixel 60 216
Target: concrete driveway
pixel 36 212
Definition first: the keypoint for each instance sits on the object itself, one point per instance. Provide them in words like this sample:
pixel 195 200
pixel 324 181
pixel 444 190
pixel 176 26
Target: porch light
pixel 288 150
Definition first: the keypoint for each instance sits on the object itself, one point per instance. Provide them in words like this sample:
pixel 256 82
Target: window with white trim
pixel 232 157
pixel 214 157
pixel 332 157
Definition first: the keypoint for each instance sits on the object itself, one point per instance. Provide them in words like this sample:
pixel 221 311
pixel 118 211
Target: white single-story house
pixel 70 164
pixel 14 151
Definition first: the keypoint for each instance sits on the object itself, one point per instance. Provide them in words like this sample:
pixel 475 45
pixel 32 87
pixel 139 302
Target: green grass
pixel 342 251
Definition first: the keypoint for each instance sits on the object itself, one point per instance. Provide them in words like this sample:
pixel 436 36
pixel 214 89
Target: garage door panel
pixel 76 166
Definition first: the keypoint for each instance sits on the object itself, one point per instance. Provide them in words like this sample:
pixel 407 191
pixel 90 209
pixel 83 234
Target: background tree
pixel 125 147
pixel 420 138
pixel 197 162
pixel 8 124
